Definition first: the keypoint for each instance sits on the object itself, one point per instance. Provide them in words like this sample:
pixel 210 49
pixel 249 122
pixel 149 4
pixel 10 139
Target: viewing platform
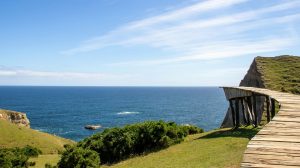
pixel 277 144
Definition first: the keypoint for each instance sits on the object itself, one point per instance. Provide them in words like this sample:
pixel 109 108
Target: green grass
pixel 43 159
pixel 219 148
pixel 280 73
pixel 12 135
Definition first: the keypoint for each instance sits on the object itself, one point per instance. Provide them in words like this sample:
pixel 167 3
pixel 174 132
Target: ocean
pixel 64 111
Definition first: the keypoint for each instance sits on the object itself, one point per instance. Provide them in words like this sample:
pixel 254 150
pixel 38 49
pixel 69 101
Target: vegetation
pixel 15 136
pixel 280 73
pixel 42 160
pixel 78 157
pixel 115 144
pixel 17 157
pixel 219 148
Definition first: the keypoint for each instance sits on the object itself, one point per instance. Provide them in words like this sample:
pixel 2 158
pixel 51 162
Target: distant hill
pixel 281 73
pixel 13 135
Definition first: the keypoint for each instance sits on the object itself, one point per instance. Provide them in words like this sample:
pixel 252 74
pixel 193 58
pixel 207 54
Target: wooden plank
pixel 272 159
pixel 277 138
pixel 274 144
pixel 286 119
pixel 275 151
pixel 255 165
pixel 278 143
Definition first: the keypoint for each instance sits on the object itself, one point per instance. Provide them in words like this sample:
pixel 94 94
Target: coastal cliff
pixel 281 73
pixel 253 78
pixel 14 117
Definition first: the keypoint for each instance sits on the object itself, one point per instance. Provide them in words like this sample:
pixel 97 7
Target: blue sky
pixel 141 43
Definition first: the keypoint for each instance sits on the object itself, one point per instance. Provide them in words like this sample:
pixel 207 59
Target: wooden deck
pixel 278 143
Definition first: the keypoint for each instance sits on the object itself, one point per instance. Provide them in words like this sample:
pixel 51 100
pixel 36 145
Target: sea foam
pixel 128 112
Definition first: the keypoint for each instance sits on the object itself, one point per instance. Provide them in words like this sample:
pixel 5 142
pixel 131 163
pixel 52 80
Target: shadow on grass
pixel 239 133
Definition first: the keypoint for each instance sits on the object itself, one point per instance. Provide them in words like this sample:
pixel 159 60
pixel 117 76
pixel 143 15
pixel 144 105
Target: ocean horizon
pixel 65 110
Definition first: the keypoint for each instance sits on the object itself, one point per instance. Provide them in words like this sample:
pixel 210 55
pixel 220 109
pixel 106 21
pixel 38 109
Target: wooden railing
pixel 277 144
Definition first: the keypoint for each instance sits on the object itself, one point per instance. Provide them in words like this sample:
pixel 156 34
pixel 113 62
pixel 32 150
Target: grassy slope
pixel 43 159
pixel 220 148
pixel 15 136
pixel 280 73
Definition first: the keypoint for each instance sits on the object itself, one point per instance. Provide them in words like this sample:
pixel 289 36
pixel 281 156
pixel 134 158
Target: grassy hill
pixel 280 73
pixel 16 136
pixel 219 148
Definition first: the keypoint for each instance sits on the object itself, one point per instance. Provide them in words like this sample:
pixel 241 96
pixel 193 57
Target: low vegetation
pixel 18 157
pixel 219 148
pixel 116 144
pixel 280 73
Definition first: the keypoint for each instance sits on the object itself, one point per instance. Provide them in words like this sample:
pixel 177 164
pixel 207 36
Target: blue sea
pixel 64 111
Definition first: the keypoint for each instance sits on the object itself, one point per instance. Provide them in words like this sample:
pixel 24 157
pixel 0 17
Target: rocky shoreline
pixel 14 117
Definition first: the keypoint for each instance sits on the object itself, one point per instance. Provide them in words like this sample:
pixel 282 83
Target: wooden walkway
pixel 277 144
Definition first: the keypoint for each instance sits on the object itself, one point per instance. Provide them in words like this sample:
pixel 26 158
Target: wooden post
pixel 255 111
pixel 243 110
pixel 268 108
pixel 272 107
pixel 232 112
pixel 237 114
pixel 249 102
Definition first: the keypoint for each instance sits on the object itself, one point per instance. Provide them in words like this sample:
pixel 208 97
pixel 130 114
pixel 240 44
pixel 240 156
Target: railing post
pixel 255 111
pixel 268 108
pixel 237 114
pixel 273 107
pixel 232 112
pixel 249 103
pixel 244 110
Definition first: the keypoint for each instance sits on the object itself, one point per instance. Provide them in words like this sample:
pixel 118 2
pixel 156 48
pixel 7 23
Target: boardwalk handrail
pixel 277 144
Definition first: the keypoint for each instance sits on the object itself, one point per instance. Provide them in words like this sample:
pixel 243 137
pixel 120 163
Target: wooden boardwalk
pixel 277 144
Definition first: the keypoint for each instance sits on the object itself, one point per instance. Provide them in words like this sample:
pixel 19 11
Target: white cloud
pixel 24 76
pixel 195 37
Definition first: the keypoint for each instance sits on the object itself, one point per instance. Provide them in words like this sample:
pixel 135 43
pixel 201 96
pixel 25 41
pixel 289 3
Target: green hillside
pixel 219 148
pixel 280 73
pixel 16 136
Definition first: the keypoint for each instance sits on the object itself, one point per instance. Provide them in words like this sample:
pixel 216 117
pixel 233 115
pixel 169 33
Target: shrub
pixel 48 165
pixel 77 157
pixel 115 144
pixel 190 129
pixel 31 151
pixel 17 157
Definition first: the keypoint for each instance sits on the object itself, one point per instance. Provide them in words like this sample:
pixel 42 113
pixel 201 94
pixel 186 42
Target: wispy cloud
pixel 25 76
pixel 195 33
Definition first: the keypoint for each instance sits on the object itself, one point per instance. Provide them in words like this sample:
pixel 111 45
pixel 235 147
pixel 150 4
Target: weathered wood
pixel 268 108
pixel 232 112
pixel 272 107
pixel 244 112
pixel 255 111
pixel 277 144
pixel 237 113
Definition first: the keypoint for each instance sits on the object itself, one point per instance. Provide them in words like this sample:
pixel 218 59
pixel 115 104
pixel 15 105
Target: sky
pixel 141 43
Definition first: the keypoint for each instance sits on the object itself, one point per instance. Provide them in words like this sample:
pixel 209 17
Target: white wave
pixel 128 112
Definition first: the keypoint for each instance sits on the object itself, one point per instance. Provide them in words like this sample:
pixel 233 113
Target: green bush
pixel 48 165
pixel 77 157
pixel 116 144
pixel 190 129
pixel 31 151
pixel 17 157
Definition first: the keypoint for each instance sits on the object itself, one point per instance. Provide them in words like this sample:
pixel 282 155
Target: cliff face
pixel 281 73
pixel 253 78
pixel 14 117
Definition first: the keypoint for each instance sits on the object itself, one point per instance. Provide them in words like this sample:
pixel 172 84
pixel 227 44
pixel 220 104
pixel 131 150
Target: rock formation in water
pixel 14 117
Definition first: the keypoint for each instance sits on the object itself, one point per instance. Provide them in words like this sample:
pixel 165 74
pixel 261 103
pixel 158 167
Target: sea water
pixel 64 111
